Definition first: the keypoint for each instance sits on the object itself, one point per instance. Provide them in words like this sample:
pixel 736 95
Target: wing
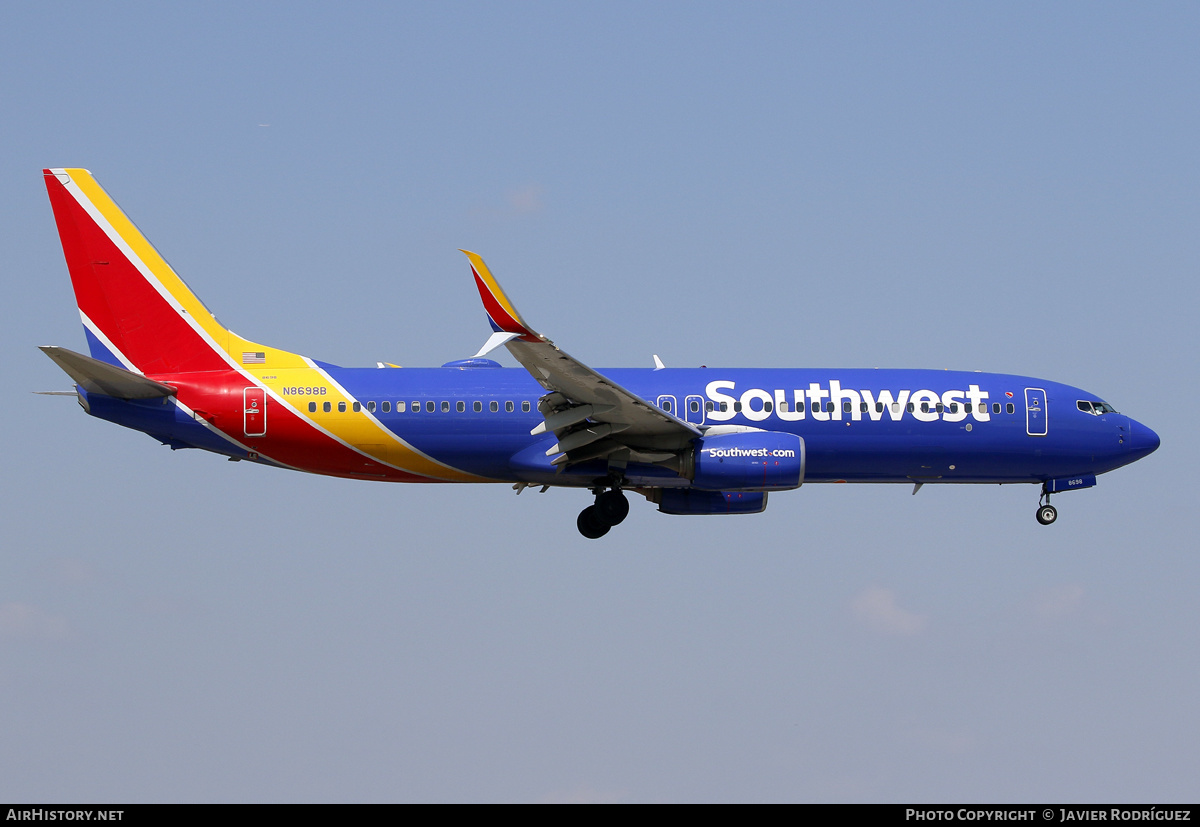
pixel 591 415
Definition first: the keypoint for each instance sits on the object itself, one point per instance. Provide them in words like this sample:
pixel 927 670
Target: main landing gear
pixel 1046 513
pixel 610 509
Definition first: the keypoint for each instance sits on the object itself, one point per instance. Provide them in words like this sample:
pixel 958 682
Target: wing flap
pixel 567 417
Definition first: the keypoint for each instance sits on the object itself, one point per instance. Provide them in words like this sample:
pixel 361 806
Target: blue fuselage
pixel 857 425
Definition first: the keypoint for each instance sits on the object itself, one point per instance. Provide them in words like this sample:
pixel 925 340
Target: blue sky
pixel 1009 188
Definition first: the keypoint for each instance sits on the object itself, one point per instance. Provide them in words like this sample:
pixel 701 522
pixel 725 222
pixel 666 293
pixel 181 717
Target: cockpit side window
pixel 1095 407
pixel 1086 407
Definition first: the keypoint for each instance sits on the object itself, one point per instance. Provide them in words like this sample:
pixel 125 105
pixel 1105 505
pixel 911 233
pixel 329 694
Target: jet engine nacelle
pixel 753 461
pixel 690 502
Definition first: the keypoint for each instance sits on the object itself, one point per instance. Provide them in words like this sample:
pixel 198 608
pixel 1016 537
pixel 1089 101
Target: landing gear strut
pixel 1046 513
pixel 610 509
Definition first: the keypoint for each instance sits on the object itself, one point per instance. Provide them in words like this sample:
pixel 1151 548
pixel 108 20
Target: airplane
pixel 693 441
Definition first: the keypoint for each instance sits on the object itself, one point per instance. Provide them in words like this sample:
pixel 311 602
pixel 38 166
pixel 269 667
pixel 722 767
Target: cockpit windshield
pixel 1095 407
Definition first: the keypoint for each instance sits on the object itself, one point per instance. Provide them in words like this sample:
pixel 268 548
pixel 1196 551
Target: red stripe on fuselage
pixel 290 437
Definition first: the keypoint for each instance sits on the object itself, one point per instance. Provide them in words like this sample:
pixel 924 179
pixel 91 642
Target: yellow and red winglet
pixel 501 312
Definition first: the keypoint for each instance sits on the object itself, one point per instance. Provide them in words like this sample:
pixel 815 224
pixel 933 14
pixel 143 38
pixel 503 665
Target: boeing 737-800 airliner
pixel 691 440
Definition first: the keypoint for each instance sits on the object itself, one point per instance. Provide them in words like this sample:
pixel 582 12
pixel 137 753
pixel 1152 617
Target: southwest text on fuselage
pixel 834 403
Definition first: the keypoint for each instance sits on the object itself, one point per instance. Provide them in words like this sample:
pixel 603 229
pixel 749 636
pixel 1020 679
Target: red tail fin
pixel 138 313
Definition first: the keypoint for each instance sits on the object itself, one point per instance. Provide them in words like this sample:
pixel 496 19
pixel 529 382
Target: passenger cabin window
pixel 356 407
pixel 326 407
pixel 847 407
pixel 312 407
pixel 694 406
pixel 525 407
pixel 341 407
pixel 879 407
pixel 724 407
pixel 708 407
pixel 1010 407
pixel 909 407
pixel 429 406
pixel 371 406
pixel 737 407
pixel 816 407
pixel 387 407
pixel 445 406
pixel 995 408
pixel 478 406
pixel 767 406
pixel 461 407
pixel 508 407
pixel 493 406
pixel 666 405
pixel 828 407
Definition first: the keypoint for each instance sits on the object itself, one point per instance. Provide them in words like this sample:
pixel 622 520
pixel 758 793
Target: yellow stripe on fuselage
pixel 359 430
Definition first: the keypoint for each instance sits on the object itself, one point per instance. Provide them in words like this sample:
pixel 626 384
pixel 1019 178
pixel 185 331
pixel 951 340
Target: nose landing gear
pixel 610 509
pixel 1046 513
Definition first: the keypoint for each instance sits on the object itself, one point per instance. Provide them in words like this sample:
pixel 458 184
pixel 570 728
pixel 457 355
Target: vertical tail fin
pixel 137 312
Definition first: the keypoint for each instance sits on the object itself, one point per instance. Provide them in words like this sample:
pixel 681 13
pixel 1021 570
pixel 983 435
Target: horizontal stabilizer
pixel 95 376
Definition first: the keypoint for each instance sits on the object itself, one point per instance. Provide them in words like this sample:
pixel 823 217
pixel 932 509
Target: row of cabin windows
pixel 848 407
pixel 430 407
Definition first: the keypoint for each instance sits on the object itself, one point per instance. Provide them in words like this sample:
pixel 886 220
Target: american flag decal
pixel 251 358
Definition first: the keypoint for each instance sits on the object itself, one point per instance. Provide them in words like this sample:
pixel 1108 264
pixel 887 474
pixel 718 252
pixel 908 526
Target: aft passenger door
pixel 254 412
pixel 1035 412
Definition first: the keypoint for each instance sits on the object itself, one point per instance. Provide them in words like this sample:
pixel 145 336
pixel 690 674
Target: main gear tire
pixel 613 507
pixel 591 524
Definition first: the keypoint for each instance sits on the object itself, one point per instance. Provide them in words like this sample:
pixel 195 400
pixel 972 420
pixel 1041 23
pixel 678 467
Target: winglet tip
pixel 475 259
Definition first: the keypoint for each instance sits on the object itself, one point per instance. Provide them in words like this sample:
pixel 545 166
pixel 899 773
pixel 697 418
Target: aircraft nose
pixel 1141 441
